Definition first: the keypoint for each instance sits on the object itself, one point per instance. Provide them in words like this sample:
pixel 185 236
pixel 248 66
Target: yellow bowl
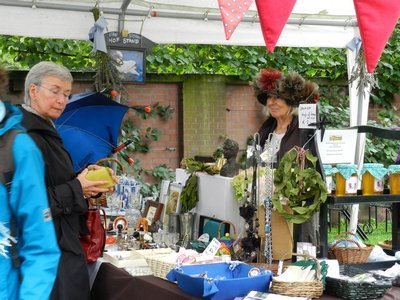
pixel 101 174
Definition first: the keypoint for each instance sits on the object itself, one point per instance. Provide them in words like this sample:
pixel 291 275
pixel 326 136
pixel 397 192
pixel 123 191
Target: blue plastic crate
pixel 220 281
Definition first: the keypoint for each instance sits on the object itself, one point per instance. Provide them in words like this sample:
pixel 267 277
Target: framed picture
pixel 152 211
pixel 130 63
pixel 172 203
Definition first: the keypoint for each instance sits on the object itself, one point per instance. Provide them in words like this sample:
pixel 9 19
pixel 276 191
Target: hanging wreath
pixel 298 186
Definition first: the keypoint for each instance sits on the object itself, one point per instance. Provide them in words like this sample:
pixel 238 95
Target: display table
pixel 112 283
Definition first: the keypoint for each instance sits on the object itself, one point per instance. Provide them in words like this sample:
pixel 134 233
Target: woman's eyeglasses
pixel 55 91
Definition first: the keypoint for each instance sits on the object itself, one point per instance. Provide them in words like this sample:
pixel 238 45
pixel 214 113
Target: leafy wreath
pixel 298 187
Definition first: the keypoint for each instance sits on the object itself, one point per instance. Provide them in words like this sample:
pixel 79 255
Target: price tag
pixel 307 115
pixel 212 247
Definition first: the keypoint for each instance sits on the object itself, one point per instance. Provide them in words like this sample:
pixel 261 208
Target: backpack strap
pixel 6 177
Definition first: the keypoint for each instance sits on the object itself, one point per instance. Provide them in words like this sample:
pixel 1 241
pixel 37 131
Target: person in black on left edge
pixel 47 89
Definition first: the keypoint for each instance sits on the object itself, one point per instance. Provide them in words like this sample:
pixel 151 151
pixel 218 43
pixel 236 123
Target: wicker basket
pixel 311 289
pixel 228 242
pixel 351 290
pixel 349 255
pixel 159 266
pixel 231 226
pixel 155 259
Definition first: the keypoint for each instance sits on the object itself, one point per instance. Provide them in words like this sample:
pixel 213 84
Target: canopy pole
pixel 121 16
pixel 359 102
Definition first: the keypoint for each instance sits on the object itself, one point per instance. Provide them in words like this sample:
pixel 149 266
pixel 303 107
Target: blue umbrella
pixel 89 127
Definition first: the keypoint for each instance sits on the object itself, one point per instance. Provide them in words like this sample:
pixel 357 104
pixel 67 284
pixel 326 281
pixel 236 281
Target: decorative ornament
pixel 298 185
pixel 232 13
pixel 269 187
pixel 376 20
pixel 114 93
pixel 107 76
pixel 273 17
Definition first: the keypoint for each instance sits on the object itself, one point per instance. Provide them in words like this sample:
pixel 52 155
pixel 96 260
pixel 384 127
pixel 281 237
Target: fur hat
pixel 266 84
pixel 290 87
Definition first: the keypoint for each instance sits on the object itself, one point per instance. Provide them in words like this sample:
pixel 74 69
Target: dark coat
pixel 294 136
pixel 68 208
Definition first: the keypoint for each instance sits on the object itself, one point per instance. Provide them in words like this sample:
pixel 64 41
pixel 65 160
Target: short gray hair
pixel 45 69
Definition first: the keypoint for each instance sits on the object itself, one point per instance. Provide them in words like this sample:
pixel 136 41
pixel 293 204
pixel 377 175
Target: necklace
pixel 273 144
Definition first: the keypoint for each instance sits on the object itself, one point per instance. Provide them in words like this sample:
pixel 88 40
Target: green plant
pixel 164 112
pixel 218 153
pixel 244 62
pixel 189 195
pixel 158 173
pixel 379 234
pixel 141 143
pixel 298 185
pixel 378 150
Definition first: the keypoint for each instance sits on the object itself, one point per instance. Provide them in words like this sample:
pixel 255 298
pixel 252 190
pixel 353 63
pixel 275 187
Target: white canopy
pixel 322 23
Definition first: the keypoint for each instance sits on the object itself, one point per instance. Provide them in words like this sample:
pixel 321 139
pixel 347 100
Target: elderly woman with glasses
pixel 47 89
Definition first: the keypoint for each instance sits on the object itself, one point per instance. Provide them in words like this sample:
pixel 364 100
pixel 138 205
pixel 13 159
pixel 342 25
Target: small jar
pixel 394 179
pixel 329 171
pixel 373 178
pixel 346 179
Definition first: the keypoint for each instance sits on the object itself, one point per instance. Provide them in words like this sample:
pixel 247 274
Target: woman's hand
pixel 91 188
pixel 97 167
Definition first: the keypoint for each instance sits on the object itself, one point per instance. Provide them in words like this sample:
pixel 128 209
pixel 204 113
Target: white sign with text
pixel 307 115
pixel 338 146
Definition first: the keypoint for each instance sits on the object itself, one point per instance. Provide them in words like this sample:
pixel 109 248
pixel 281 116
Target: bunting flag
pixel 232 13
pixel 376 20
pixel 273 16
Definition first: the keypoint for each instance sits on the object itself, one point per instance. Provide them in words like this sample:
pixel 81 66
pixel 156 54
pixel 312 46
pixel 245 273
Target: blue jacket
pixel 36 239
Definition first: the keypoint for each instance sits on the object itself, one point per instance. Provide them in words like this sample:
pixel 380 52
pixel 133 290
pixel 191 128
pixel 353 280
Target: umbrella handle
pixel 110 159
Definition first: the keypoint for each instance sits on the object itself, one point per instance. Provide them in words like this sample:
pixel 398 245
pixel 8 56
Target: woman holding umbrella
pixel 47 89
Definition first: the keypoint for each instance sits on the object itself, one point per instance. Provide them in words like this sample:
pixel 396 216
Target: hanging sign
pixel 129 40
pixel 337 146
pixel 307 115
pixel 114 38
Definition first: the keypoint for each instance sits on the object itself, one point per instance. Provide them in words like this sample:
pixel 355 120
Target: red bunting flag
pixel 273 16
pixel 376 20
pixel 232 13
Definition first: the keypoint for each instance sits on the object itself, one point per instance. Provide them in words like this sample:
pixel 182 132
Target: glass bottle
pixel 373 178
pixel 394 179
pixel 346 179
pixel 329 171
